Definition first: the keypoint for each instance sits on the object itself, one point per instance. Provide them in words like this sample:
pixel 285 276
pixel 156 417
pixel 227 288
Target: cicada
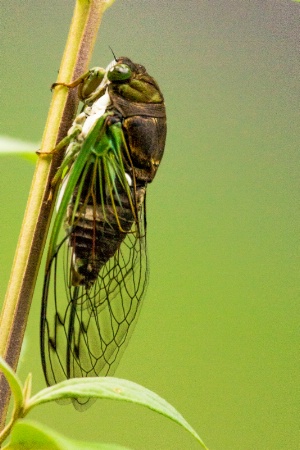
pixel 96 269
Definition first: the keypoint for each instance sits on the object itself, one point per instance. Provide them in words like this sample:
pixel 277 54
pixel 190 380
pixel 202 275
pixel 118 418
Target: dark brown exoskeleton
pixel 138 105
pixel 114 149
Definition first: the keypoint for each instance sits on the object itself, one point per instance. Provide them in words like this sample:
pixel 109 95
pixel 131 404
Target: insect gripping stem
pixel 96 271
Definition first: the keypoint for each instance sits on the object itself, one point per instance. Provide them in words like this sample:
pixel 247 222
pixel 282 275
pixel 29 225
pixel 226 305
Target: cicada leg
pixel 63 143
pixel 72 151
pixel 74 83
pixel 88 83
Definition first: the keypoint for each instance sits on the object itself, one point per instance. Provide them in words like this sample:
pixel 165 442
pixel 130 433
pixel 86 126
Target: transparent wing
pixel 96 275
pixel 85 330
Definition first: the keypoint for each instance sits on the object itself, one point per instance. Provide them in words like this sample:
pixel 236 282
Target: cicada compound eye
pixel 119 72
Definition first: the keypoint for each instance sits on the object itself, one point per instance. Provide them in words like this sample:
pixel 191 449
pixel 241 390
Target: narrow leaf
pixel 108 3
pixel 11 146
pixel 114 389
pixel 29 435
pixel 13 381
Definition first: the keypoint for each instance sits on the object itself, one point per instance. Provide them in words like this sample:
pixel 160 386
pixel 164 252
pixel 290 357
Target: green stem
pixel 85 23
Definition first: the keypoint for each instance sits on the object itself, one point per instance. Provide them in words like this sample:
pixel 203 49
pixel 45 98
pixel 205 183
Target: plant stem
pixel 80 43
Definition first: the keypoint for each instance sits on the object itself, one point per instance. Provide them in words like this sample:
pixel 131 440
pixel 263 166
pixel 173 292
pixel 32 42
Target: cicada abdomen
pixel 96 273
pixel 99 227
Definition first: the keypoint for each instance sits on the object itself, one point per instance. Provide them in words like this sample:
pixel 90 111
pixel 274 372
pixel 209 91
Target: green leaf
pixel 108 3
pixel 29 435
pixel 114 389
pixel 10 146
pixel 13 381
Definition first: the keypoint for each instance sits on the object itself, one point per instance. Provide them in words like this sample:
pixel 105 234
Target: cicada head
pixel 132 82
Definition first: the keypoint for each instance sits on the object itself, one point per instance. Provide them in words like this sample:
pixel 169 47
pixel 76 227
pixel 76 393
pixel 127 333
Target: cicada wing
pixel 107 313
pixel 85 330
pixel 56 303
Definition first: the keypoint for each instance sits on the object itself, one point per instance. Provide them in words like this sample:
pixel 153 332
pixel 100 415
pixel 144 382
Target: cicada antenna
pixel 116 59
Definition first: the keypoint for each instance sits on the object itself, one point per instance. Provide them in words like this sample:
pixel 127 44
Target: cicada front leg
pixel 87 83
pixel 73 147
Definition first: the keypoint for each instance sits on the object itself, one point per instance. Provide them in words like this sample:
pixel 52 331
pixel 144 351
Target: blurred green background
pixel 218 335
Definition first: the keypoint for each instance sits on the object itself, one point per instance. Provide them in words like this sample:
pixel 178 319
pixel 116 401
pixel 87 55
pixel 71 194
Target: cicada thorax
pixel 141 104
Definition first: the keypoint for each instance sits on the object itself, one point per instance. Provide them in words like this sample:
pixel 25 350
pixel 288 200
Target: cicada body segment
pixel 96 270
